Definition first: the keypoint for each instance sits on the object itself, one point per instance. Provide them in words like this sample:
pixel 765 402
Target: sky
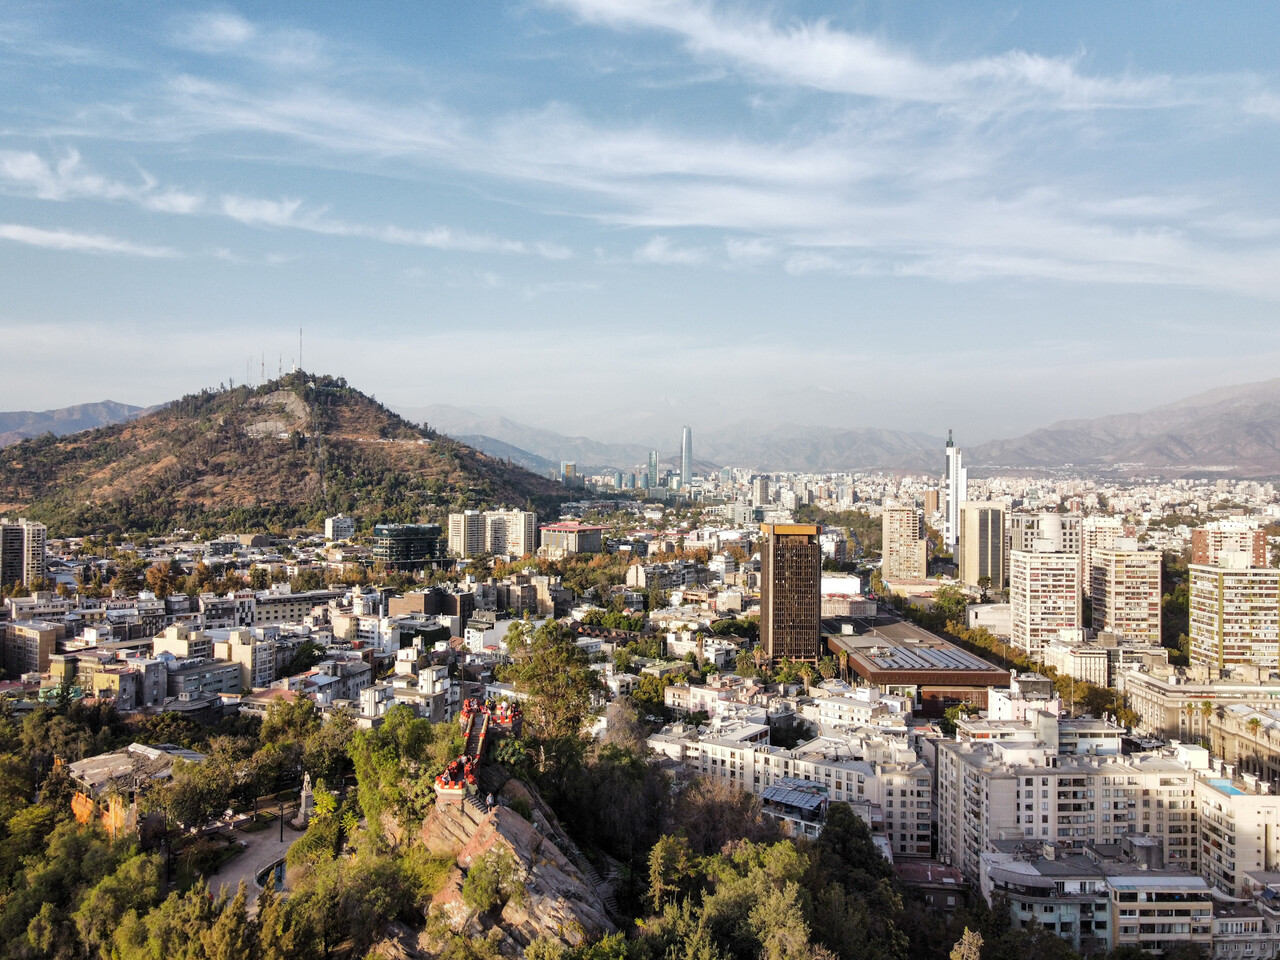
pixel 591 214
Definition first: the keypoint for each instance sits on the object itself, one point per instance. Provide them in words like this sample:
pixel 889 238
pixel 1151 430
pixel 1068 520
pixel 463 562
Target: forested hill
pixel 275 457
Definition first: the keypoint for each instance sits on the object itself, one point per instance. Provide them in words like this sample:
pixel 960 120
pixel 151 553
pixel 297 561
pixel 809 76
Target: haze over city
pixel 1009 214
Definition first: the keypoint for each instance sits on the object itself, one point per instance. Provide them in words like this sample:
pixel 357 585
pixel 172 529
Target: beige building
pixel 980 550
pixel 1235 615
pixel 28 645
pixel 255 657
pixel 1044 598
pixel 183 642
pixel 512 533
pixel 466 533
pixel 1183 705
pixel 903 546
pixel 1097 533
pixel 1126 593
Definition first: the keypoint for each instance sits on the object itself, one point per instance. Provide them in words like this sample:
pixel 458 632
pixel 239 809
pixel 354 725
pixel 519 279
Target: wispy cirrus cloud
pixel 68 178
pixel 80 242
pixel 815 54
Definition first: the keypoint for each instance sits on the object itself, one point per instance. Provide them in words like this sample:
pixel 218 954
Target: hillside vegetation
pixel 275 457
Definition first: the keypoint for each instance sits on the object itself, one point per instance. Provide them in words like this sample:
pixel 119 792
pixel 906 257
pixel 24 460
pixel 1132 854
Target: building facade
pixel 1235 616
pixel 904 549
pixel 1126 593
pixel 791 591
pixel 1044 598
pixel 980 546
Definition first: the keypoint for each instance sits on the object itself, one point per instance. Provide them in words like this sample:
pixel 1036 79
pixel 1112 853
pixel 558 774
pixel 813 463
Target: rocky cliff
pixel 559 901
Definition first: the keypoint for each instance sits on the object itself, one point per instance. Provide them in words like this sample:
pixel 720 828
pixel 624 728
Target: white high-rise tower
pixel 955 490
pixel 686 459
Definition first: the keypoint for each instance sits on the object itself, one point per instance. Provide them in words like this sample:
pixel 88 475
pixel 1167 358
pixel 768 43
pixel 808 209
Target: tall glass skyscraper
pixel 686 459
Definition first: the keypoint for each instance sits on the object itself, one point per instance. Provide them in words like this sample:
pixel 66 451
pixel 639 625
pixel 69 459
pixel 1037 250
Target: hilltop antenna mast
pixel 299 348
pixel 263 360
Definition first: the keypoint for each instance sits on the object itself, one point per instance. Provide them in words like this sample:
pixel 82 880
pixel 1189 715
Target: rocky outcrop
pixel 559 901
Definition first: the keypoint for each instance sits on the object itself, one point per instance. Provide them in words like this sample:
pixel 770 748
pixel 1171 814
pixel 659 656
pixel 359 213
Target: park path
pixel 264 848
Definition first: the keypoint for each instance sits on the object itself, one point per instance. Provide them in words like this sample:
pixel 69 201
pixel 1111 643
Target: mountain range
pixel 1230 430
pixel 22 424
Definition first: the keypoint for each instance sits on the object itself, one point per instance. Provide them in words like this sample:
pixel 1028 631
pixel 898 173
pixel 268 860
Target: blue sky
pixel 596 213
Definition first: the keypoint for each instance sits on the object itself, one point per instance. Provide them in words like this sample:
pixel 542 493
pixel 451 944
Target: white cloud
pixel 229 34
pixel 79 242
pixel 661 250
pixel 259 212
pixel 814 54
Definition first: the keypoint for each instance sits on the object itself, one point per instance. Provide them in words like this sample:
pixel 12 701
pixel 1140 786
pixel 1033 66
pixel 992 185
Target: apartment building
pixel 904 549
pixel 1126 593
pixel 1213 541
pixel 1044 598
pixel 511 533
pixel 1235 614
pixel 1239 828
pixel 466 533
pixel 989 791
pixel 23 551
pixel 881 777
pixel 1098 532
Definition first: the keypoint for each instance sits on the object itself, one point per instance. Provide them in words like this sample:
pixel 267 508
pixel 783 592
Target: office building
pixel 339 527
pixel 407 546
pixel 1210 542
pixel 955 491
pixel 686 459
pixel 1044 598
pixel 466 534
pixel 1126 593
pixel 980 547
pixel 760 492
pixel 23 545
pixel 791 591
pixel 1096 533
pixel 903 546
pixel 1235 614
pixel 653 469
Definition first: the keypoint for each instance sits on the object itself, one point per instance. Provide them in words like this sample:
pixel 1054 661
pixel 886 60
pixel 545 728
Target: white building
pixel 339 528
pixel 1044 598
pixel 1235 614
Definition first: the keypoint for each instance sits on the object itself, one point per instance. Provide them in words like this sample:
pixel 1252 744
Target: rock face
pixel 559 902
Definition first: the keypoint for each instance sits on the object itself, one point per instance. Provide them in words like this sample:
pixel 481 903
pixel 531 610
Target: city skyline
pixel 876 204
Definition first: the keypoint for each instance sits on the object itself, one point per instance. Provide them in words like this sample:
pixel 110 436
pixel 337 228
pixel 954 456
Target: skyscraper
pixel 686 459
pixel 653 469
pixel 790 591
pixel 955 488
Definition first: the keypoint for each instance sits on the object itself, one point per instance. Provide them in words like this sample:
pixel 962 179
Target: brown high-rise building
pixel 1210 542
pixel 791 591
